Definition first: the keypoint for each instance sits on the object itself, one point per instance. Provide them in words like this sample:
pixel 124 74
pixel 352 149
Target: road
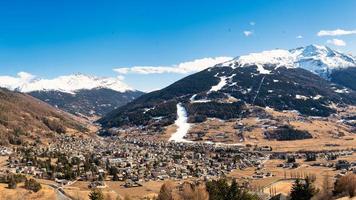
pixel 61 195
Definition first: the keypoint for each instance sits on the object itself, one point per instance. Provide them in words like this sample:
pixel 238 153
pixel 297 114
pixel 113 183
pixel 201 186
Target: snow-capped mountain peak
pixel 315 58
pixel 277 57
pixel 321 59
pixel 69 84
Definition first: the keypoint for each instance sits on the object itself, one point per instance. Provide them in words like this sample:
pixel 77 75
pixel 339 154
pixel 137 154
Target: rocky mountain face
pixel 24 119
pixel 302 80
pixel 78 94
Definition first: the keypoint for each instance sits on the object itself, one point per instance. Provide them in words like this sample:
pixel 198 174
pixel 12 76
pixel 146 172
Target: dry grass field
pixel 46 193
pixel 328 133
pixel 347 198
pixel 150 189
pixel 80 190
pixel 283 187
pixel 278 182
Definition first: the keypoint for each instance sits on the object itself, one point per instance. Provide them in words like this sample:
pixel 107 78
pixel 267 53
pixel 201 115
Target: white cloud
pixel 336 32
pixel 26 76
pixel 181 68
pixel 248 33
pixel 299 37
pixel 336 42
pixel 123 70
pixel 120 77
pixel 12 82
pixel 252 23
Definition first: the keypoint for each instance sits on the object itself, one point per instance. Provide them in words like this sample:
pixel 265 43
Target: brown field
pixel 347 198
pixel 325 131
pixel 46 193
pixel 150 189
pixel 310 144
pixel 80 190
pixel 212 127
pixel 278 181
pixel 3 161
pixel 283 187
pixel 169 130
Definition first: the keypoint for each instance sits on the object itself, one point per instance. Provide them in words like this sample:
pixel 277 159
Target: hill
pixel 24 119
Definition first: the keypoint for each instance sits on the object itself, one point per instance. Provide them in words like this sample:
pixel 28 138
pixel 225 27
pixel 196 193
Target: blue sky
pixel 52 38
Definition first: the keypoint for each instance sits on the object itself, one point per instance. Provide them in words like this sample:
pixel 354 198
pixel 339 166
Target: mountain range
pixel 78 94
pixel 312 80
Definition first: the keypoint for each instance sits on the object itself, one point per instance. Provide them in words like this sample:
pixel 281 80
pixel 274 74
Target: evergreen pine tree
pixel 96 194
pixel 303 191
pixel 233 190
pixel 12 183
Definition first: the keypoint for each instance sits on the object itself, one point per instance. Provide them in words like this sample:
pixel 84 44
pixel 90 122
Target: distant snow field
pixel 68 84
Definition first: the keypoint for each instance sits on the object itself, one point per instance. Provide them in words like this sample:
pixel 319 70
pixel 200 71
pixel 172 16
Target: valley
pixel 178 100
pixel 265 119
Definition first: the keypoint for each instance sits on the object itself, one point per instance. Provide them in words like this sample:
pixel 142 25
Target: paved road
pixel 61 195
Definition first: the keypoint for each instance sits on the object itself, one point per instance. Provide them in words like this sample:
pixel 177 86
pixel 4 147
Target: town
pixel 133 162
pixel 130 160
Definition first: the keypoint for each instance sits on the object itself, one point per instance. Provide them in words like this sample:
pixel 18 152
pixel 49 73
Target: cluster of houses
pixel 136 161
pixel 5 151
pixel 332 159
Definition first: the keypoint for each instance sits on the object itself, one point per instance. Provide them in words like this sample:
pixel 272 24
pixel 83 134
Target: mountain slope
pixel 345 77
pixel 98 101
pixel 26 119
pixel 77 94
pixel 225 90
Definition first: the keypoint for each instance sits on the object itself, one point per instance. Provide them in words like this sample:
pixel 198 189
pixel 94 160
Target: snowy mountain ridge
pixel 320 60
pixel 68 84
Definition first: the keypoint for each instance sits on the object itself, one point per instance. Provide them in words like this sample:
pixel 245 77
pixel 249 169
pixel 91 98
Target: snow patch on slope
pixel 182 125
pixel 220 85
pixel 342 91
pixel 298 96
pixel 193 100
